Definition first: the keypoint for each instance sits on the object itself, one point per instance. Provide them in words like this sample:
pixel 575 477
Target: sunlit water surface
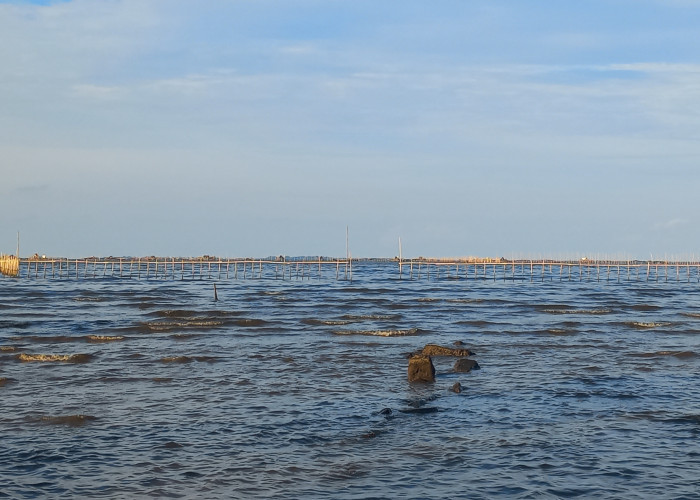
pixel 120 388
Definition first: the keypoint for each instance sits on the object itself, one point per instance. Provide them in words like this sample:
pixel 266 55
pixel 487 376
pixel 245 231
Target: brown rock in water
pixel 421 369
pixel 457 342
pixel 466 365
pixel 438 350
pixel 457 387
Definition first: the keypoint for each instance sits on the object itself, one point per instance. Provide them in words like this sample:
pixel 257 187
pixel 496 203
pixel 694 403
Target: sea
pixel 117 387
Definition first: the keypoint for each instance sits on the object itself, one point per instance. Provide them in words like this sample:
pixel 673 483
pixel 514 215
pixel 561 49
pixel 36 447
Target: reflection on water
pixel 287 389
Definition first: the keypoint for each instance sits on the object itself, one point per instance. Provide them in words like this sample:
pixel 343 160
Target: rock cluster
pixel 438 350
pixel 421 369
pixel 465 365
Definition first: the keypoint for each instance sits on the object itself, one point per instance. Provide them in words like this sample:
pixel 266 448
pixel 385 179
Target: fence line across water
pixel 551 270
pixel 342 269
pixel 181 269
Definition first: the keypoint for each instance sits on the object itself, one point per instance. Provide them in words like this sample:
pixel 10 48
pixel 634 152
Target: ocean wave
pixel 53 358
pixel 184 336
pixel 560 331
pixel 382 333
pixel 103 338
pixel 644 307
pixel 250 322
pixel 559 307
pixel 665 416
pixel 325 322
pixel 193 314
pixel 63 339
pixel 475 322
pixel 88 299
pixel 20 325
pixel 167 326
pixel 646 325
pixel 577 311
pixel 371 317
pixel 189 359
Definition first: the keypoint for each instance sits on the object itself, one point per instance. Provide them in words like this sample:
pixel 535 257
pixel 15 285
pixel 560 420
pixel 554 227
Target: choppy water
pixel 118 388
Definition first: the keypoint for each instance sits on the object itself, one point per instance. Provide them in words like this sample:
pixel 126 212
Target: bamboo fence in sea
pixel 153 268
pixel 184 269
pixel 9 265
pixel 551 270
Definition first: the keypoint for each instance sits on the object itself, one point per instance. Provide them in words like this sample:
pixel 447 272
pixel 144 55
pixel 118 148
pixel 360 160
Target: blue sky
pixel 259 127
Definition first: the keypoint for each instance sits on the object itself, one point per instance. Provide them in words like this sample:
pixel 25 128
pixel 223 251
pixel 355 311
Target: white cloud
pixel 671 224
pixel 98 91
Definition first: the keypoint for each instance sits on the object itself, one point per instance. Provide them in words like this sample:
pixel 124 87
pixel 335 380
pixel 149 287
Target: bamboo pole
pixel 400 260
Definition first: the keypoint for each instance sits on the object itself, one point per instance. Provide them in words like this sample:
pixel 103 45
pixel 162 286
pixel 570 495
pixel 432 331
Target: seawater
pixel 119 388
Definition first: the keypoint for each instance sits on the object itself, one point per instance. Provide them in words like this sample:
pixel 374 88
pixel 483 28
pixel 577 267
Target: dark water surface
pixel 118 388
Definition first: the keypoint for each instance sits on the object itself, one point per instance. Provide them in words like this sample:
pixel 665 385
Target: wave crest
pixel 382 333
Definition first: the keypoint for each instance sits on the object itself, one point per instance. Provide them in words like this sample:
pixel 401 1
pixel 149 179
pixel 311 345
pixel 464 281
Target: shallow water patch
pixel 658 354
pixel 69 420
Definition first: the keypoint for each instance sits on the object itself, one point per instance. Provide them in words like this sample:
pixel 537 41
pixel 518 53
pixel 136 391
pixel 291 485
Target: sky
pixel 264 127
